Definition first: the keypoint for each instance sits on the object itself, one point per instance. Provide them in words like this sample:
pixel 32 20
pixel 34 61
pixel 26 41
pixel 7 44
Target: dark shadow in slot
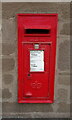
pixel 37 31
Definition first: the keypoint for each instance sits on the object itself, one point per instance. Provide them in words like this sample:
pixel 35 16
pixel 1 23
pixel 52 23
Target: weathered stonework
pixel 7 78
pixel 0 60
pixel 9 31
pixel 64 80
pixel 64 56
pixel 62 95
pixel 64 108
pixel 11 9
pixel 8 64
pixel 61 105
pixel 0 93
pixel 24 108
pixel 8 48
pixel 66 29
pixel 6 93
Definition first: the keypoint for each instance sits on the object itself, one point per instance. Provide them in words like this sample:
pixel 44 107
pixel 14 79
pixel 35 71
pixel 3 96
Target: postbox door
pixel 36 71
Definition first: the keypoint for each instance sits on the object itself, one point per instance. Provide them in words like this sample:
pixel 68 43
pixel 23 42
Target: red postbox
pixel 36 57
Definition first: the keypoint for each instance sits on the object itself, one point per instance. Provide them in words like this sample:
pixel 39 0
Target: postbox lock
pixel 28 74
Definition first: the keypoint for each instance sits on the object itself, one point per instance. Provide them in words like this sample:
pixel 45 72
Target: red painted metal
pixel 36 87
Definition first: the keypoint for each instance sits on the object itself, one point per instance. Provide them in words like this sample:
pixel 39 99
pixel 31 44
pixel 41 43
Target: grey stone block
pixel 0 110
pixel 11 9
pixel 64 80
pixel 64 56
pixel 62 95
pixel 8 48
pixel 66 29
pixel 64 108
pixel 0 48
pixel 0 93
pixel 6 93
pixel 8 64
pixel 9 31
pixel 25 108
pixel 7 78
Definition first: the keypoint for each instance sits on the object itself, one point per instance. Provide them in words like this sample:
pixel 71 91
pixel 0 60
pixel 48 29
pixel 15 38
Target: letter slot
pixel 41 31
pixel 37 31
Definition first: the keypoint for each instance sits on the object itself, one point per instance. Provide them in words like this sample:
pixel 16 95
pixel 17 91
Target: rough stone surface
pixel 61 106
pixel 64 79
pixel 0 65
pixel 24 108
pixel 64 56
pixel 62 95
pixel 64 107
pixel 66 29
pixel 0 61
pixel 8 49
pixel 0 13
pixel 0 48
pixel 8 64
pixel 71 94
pixel 6 93
pixel 7 78
pixel 9 31
pixel 0 93
pixel 0 110
pixel 11 9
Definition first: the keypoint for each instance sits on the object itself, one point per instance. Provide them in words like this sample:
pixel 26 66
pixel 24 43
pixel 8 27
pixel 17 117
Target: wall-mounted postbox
pixel 36 57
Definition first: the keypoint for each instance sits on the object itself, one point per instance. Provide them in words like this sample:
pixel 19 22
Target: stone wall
pixel 61 106
pixel 0 60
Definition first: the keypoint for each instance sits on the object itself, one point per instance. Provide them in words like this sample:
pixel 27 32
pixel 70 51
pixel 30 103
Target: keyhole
pixel 28 74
